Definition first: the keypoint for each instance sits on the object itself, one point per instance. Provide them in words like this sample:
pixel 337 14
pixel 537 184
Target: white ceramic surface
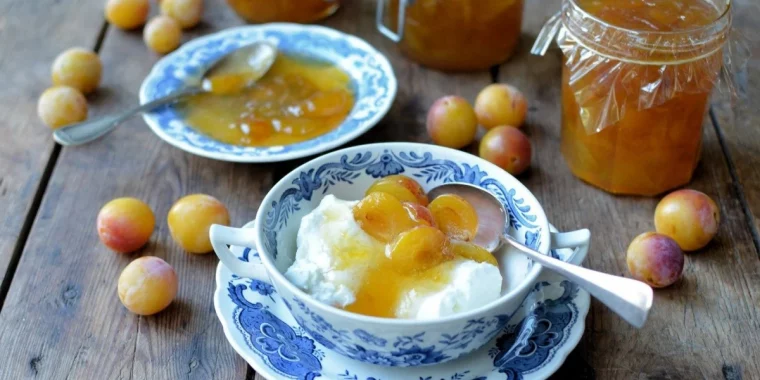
pixel 532 345
pixel 372 79
pixel 347 174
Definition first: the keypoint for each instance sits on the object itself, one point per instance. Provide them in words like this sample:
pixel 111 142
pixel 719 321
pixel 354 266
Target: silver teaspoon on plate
pixel 630 299
pixel 259 57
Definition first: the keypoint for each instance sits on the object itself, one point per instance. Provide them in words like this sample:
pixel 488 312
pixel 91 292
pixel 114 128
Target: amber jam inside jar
pixel 635 89
pixel 302 11
pixel 456 35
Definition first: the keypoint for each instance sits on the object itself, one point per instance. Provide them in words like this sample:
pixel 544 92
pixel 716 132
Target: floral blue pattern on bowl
pixel 347 174
pixel 424 166
pixel 372 78
pixel 530 344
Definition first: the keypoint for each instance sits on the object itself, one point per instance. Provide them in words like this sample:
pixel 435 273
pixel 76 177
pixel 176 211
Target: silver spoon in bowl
pixel 630 299
pixel 259 57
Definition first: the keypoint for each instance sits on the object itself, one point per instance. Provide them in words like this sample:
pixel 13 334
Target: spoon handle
pixel 630 299
pixel 82 133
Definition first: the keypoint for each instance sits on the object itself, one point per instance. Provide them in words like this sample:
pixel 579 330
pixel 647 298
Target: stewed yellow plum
pixel 382 216
pixel 420 214
pixel 455 217
pixel 405 189
pixel 419 249
pixel 473 252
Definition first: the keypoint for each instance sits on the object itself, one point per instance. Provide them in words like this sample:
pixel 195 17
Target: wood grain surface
pixel 26 56
pixel 62 318
pixel 704 326
pixel 738 118
pixel 69 320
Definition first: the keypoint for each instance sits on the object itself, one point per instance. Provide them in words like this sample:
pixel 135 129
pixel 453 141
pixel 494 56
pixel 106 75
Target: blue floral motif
pixel 348 376
pixel 247 254
pixel 405 355
pixel 403 341
pixel 287 352
pixel 522 348
pixel 422 166
pixel 532 342
pixel 372 81
pixel 455 376
pixel 369 338
pixel 532 239
pixel 261 287
pixel 384 167
pixel 474 329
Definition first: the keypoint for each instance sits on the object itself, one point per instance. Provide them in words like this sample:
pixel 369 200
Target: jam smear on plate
pixel 295 101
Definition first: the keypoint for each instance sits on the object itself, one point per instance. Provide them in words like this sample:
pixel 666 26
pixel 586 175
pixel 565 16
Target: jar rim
pixel 725 13
pixel 643 46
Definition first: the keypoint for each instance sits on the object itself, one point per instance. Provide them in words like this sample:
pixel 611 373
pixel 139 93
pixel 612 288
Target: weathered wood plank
pixel 62 316
pixel 28 48
pixel 86 330
pixel 699 327
pixel 738 119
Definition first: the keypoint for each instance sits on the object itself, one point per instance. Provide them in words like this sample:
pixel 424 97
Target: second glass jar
pixel 453 35
pixel 302 11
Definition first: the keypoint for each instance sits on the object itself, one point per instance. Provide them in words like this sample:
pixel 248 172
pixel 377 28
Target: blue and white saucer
pixel 533 345
pixel 372 80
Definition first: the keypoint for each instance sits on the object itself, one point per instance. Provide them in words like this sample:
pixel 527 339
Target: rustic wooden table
pixel 61 318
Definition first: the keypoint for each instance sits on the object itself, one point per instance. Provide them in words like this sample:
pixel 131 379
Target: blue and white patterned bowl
pixel 532 345
pixel 347 174
pixel 372 81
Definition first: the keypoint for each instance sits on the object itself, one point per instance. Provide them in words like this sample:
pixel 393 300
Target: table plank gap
pixel 26 228
pixel 738 118
pixel 737 183
pixel 27 144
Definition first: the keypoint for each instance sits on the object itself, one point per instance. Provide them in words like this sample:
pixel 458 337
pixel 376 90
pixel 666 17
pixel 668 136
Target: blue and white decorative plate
pixel 533 345
pixel 372 80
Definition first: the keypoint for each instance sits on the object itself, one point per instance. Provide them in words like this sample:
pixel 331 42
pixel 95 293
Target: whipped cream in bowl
pixel 325 265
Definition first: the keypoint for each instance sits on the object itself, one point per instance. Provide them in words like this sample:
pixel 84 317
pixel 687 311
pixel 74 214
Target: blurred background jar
pixel 636 84
pixel 302 11
pixel 453 35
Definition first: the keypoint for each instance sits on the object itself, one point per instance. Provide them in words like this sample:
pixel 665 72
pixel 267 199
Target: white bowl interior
pixel 513 265
pixel 348 173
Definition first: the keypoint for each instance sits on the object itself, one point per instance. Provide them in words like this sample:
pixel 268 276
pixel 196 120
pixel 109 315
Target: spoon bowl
pixel 630 299
pixel 259 56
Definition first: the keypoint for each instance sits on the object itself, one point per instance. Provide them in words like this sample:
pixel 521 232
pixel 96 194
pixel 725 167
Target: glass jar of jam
pixel 453 35
pixel 303 11
pixel 636 83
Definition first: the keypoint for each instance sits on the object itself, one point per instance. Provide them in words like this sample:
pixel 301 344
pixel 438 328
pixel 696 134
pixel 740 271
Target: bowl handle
pixel 221 236
pixel 579 240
